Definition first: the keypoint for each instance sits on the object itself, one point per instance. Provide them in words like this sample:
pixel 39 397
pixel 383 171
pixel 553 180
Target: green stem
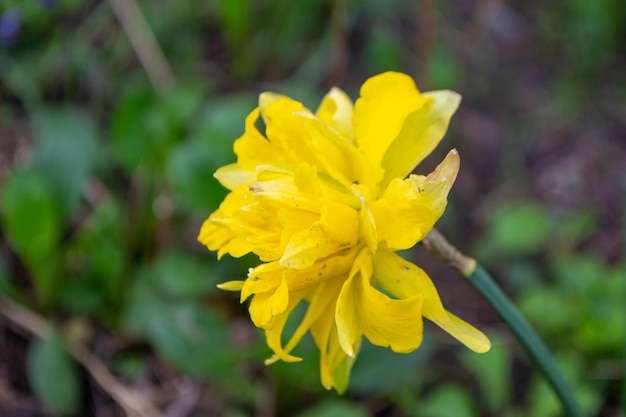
pixel 534 346
pixel 529 339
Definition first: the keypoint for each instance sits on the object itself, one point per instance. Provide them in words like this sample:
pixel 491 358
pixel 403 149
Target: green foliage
pixel 54 375
pixel 335 408
pixel 105 181
pixel 32 221
pixel 448 400
pixel 165 307
pixel 493 370
pixel 65 152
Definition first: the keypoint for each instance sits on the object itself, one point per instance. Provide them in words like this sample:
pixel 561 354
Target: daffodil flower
pixel 325 200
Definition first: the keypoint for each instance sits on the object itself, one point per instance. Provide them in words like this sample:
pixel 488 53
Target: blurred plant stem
pixel 132 403
pixel 436 243
pixel 426 38
pixel 339 43
pixel 144 43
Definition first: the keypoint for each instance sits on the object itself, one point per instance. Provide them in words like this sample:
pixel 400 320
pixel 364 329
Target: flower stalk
pixel 532 343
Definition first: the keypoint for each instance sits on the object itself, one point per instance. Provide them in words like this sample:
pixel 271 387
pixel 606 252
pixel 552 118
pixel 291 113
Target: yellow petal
pixel 336 110
pixel 385 102
pixel 367 222
pixel 409 208
pixel 233 176
pixel 361 308
pixel 266 99
pixel 341 222
pixel 305 247
pixel 265 277
pixel 267 305
pixel 273 334
pixel 285 192
pixel 335 365
pixel 421 131
pixel 336 266
pixel 231 285
pixel 403 279
pixel 438 183
pixel 334 154
pixel 320 303
pixel 253 149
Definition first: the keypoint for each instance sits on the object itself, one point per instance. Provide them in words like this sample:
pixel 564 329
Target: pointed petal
pixel 232 176
pixel 421 131
pixel 409 208
pixel 403 279
pixel 385 102
pixel 336 110
pixel 231 285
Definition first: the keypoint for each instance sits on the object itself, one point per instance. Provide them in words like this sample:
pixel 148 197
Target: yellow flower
pixel 323 199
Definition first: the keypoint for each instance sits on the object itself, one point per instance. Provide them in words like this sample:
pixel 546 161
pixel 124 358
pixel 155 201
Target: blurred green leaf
pixel 96 259
pixel 235 15
pixel 384 51
pixel 443 70
pixel 519 228
pixel 143 128
pixel 190 171
pixel 32 223
pixel 447 401
pixel 493 371
pixel 164 307
pixel 7 286
pixel 53 375
pixel 547 308
pixel 146 125
pixel 192 339
pixel 379 370
pixel 335 408
pixel 65 152
pixel 30 215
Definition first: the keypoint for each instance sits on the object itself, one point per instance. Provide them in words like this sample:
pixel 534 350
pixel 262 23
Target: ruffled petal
pixel 263 278
pixel 409 208
pixel 403 279
pixel 340 222
pixel 387 322
pixel 253 149
pixel 273 334
pixel 336 266
pixel 336 110
pixel 304 248
pixel 421 131
pixel 335 364
pixel 379 114
pixel 265 306
pixel 241 226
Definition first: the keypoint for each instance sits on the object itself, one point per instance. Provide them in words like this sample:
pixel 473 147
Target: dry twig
pixel 133 404
pixel 144 43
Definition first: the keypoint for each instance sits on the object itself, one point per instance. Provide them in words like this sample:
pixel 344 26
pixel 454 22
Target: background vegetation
pixel 107 150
